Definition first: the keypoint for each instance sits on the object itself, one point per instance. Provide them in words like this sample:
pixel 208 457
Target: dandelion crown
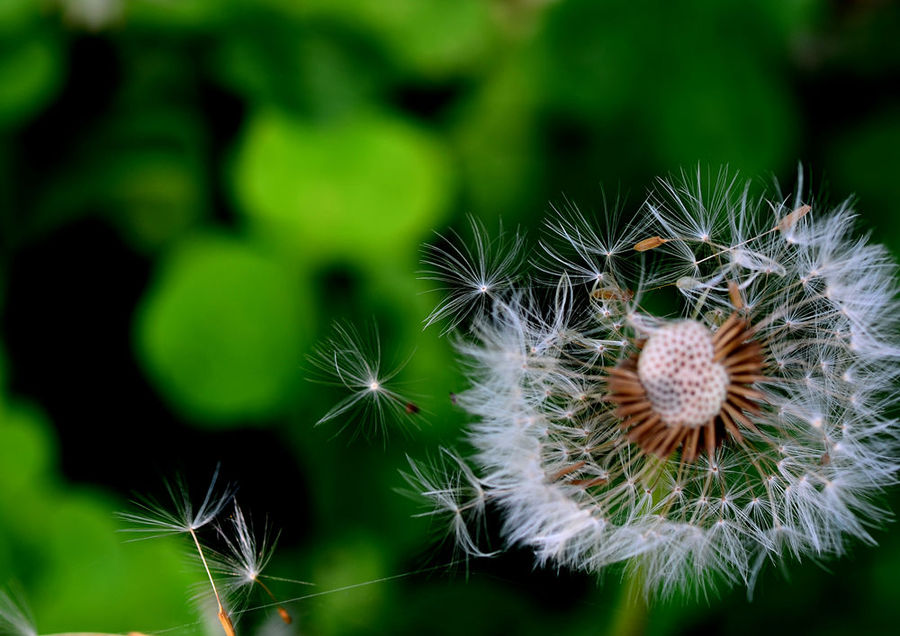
pixel 749 425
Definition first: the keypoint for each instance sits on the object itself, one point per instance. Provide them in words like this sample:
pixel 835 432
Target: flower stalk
pixel 632 613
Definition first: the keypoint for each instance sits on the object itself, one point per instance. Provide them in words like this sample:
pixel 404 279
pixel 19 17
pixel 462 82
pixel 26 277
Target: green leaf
pixel 432 37
pixel 155 196
pixel 354 187
pixel 189 15
pixel 298 67
pixel 221 329
pixel 16 15
pixel 60 543
pixel 725 109
pixel 26 449
pixel 674 84
pixel 496 136
pixel 347 561
pixel 31 70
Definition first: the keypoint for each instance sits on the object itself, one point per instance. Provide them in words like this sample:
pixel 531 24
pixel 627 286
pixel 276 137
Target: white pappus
pixel 745 422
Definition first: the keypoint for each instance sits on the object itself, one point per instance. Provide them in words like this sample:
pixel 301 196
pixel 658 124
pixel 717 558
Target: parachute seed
pixel 788 222
pixel 649 244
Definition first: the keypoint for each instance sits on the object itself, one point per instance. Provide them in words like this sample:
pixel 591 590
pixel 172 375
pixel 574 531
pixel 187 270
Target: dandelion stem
pixel 224 619
pixel 630 617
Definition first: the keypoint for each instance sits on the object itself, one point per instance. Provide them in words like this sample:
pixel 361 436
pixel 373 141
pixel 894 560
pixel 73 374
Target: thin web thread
pixel 344 588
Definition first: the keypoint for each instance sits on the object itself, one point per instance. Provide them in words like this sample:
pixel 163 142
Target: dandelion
pixel 244 561
pixel 747 425
pixel 472 278
pixel 452 491
pixel 348 361
pixel 155 519
pixel 585 250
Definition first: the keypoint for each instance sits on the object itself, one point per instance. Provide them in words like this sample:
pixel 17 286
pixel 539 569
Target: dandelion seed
pixel 471 278
pixel 246 558
pixel 349 361
pixel 734 294
pixel 156 520
pixel 748 425
pixel 453 492
pixel 649 244
pixel 586 250
pixel 788 221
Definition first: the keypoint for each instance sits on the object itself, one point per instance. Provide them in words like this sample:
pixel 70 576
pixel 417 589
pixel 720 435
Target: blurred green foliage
pixel 221 329
pixel 359 187
pixel 268 166
pixel 61 544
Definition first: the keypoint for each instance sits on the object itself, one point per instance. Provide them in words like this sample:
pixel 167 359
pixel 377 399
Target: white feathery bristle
pixel 15 617
pixel 153 519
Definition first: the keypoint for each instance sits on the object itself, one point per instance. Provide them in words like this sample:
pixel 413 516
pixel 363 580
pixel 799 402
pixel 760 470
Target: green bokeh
pixel 352 187
pixel 851 158
pixel 432 37
pixel 16 15
pixel 221 330
pixel 61 543
pixel 30 73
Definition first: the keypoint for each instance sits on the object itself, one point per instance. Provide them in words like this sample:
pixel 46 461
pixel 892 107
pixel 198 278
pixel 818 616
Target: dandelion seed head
pixel 748 424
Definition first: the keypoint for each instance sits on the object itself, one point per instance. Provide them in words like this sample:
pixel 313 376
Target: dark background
pixel 191 192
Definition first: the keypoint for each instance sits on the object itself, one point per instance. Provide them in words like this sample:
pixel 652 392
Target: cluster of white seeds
pixel 799 475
